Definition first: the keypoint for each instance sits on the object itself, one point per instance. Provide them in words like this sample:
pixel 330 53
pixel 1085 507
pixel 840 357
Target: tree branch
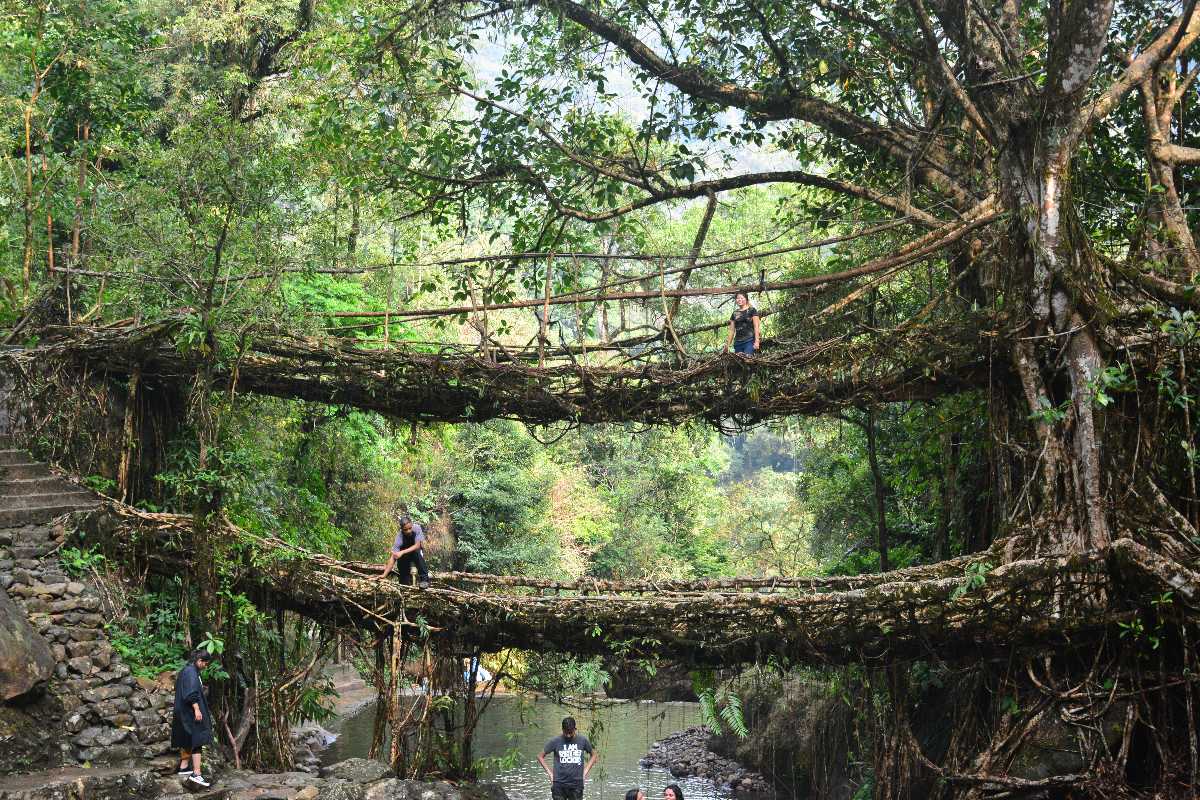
pixel 939 63
pixel 699 85
pixel 1178 36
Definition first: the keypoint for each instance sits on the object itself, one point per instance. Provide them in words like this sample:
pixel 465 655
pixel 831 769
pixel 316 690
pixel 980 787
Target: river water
pixel 514 729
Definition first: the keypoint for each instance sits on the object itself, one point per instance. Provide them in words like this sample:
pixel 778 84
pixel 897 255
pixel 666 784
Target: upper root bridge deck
pixel 452 385
pixel 1035 604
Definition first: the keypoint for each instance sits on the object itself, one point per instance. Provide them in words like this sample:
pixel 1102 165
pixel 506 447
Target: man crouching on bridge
pixel 566 779
pixel 407 552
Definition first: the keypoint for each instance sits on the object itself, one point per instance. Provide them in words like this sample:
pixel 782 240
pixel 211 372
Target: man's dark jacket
pixel 186 732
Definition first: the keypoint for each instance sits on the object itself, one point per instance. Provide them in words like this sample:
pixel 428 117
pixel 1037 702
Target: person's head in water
pixel 672 792
pixel 635 794
pixel 568 726
pixel 741 300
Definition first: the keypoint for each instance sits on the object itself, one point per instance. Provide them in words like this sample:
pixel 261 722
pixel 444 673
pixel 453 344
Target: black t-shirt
pixel 743 324
pixel 568 758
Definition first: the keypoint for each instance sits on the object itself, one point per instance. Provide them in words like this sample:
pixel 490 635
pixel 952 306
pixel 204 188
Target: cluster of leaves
pixel 151 639
pixel 719 705
pixel 80 561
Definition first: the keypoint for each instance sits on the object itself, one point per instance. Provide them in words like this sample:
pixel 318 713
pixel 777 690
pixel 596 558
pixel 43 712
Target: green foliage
pixel 512 756
pixel 1111 380
pixel 1048 414
pixel 317 701
pixel 77 561
pixel 101 484
pixel 559 675
pixel 974 578
pixel 865 790
pixel 1150 632
pixel 720 707
pixel 1181 326
pixel 500 501
pixel 660 491
pixel 151 640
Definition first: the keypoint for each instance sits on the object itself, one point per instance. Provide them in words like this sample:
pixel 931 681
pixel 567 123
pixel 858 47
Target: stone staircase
pixel 30 493
pixel 102 714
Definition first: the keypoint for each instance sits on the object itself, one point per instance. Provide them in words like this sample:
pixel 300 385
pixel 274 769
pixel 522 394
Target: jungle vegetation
pixel 304 165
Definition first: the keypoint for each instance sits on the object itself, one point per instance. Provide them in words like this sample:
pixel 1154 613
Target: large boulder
pixel 631 681
pixel 26 663
pixel 1056 746
pixel 31 735
pixel 800 737
pixel 396 789
pixel 75 783
pixel 357 770
pixel 483 791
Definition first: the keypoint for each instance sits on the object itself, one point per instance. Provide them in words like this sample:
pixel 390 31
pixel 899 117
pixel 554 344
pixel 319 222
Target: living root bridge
pixel 456 386
pixel 1030 605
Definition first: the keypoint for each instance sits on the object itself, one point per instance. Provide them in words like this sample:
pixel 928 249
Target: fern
pixel 731 713
pixel 708 711
pixel 718 706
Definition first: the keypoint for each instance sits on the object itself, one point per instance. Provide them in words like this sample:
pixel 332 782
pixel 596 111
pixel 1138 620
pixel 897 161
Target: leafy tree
pixel 499 501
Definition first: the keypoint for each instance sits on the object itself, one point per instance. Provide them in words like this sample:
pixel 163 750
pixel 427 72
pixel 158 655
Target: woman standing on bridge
pixel 744 327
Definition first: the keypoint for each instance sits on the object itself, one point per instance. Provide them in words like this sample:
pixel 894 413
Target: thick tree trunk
pixel 1056 354
pixel 881 528
pixel 948 516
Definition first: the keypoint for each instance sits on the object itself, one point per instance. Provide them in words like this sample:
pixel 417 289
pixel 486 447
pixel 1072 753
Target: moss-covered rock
pixel 26 663
pixel 28 736
pixel 800 736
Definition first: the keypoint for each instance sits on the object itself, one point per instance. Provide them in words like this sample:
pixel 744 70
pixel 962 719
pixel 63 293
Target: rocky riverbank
pixel 686 753
pixel 311 739
pixel 353 779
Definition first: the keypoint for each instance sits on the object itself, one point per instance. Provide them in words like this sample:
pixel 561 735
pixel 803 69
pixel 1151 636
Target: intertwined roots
pixel 453 385
pixel 970 608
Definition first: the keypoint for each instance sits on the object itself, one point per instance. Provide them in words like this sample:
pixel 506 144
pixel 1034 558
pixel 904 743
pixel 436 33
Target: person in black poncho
pixel 191 722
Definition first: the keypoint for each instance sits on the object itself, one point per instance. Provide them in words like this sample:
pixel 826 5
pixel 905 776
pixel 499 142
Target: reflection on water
pixel 620 732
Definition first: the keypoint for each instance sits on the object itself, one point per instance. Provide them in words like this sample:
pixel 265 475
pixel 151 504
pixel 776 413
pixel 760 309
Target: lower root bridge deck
pixel 955 609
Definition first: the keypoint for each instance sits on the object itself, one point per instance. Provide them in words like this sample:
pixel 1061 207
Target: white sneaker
pixel 198 780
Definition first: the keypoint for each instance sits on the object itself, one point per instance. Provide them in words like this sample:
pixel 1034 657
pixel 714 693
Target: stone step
pixel 44 484
pixel 74 496
pixel 14 456
pixel 176 789
pixel 18 517
pixel 107 783
pixel 26 469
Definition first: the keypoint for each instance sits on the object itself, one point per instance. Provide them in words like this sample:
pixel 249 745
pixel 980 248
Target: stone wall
pixel 94 710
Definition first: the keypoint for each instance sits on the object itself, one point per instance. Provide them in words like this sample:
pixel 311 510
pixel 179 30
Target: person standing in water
pixel 744 327
pixel 569 771
pixel 672 792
